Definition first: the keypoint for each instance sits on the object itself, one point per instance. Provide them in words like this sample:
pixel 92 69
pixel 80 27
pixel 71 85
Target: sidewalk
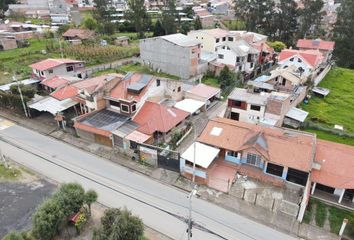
pixel 277 220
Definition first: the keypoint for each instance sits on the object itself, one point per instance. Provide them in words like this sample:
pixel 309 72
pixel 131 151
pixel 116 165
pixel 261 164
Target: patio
pixel 333 199
pixel 221 175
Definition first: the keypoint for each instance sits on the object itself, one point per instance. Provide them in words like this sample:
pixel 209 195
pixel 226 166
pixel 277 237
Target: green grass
pixel 331 137
pixel 144 69
pixel 308 214
pixel 132 35
pixel 338 106
pixel 19 59
pixel 9 174
pixel 336 217
pixel 212 81
pixel 321 214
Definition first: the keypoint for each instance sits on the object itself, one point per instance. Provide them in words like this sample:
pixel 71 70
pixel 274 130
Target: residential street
pixel 161 207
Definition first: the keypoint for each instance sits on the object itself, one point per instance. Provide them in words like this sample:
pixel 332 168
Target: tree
pixel 185 27
pixel 63 28
pixel 343 35
pixel 119 224
pixel 188 11
pixel 310 19
pixel 226 78
pixel 256 14
pixel 277 45
pixel 284 23
pixel 101 12
pixel 4 6
pixel 198 23
pixel 47 219
pixel 158 30
pixel 90 23
pixel 169 16
pixel 70 197
pixel 138 16
pixel 90 197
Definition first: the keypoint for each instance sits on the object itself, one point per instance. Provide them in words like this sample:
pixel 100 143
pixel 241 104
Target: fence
pixel 102 67
pixel 159 157
pixel 320 77
pixel 310 124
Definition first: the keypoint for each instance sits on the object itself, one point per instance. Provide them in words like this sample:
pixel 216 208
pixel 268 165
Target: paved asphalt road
pixel 161 207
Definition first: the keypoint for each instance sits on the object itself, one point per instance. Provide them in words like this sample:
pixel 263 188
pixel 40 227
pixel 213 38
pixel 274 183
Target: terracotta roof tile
pixel 55 82
pixel 284 147
pixel 52 63
pixel 154 117
pixel 315 44
pixel 65 92
pixel 337 165
pixel 204 91
pixel 79 33
pixel 311 57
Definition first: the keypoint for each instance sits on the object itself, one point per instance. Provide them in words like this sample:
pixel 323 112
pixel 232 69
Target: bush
pixel 70 197
pixel 27 90
pixel 119 224
pixel 277 45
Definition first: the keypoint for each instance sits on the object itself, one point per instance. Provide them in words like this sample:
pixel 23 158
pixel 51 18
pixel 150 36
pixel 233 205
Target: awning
pixel 138 137
pixel 189 105
pixel 204 154
pixel 52 105
pixel 297 114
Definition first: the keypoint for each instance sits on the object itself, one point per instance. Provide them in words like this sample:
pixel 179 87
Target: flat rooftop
pixel 105 120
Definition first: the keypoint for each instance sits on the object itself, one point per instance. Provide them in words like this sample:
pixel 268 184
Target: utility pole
pixel 20 92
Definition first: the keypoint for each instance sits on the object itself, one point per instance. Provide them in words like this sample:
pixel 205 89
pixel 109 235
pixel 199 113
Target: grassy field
pixel 331 137
pixel 19 59
pixel 234 24
pixel 212 81
pixel 144 69
pixel 338 106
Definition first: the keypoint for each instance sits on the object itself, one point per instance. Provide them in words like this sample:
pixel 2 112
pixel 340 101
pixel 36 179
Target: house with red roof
pixel 333 179
pixel 128 95
pixel 309 62
pixel 157 120
pixel 58 67
pixel 78 35
pixel 51 84
pixel 204 93
pixel 325 47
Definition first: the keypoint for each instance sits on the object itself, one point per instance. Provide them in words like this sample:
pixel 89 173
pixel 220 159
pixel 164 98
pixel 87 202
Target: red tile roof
pixel 55 82
pixel 90 129
pixel 154 117
pixel 65 92
pixel 284 147
pixel 311 57
pixel 204 91
pixel 52 63
pixel 315 44
pixel 120 91
pixel 337 165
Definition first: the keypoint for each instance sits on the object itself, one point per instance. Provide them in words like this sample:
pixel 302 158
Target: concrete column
pixel 313 188
pixel 265 166
pixel 285 173
pixel 341 196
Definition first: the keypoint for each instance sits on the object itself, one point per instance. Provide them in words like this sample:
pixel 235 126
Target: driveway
pixel 161 207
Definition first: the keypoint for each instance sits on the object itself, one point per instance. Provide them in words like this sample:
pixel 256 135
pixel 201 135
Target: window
pixel 274 169
pixel 196 37
pixel 223 47
pixel 231 39
pixel 133 107
pixel 114 103
pixel 42 73
pixel 251 65
pixel 178 89
pixel 299 60
pixel 255 108
pixel 69 68
pixel 124 108
pixel 232 153
pixel 291 59
pixel 221 56
pixel 158 82
pixel 50 70
pixel 276 79
pixel 218 40
pixel 283 82
pixel 237 59
pixel 253 159
pixel 224 39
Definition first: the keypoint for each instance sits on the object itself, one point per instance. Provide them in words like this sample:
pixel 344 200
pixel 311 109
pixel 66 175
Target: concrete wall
pixel 8 43
pixel 308 70
pixel 187 169
pixel 208 41
pixel 85 135
pixel 162 55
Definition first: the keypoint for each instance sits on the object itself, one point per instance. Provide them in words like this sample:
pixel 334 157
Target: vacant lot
pixel 326 216
pixel 337 107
